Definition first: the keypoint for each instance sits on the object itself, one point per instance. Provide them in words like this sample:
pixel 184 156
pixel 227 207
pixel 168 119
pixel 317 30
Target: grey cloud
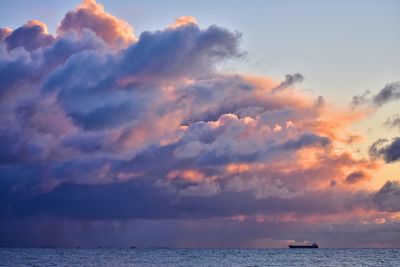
pixel 290 79
pixel 389 93
pixel 307 139
pixel 164 54
pixel 389 152
pixel 184 51
pixel 21 67
pixel 26 197
pixel 360 99
pixel 15 67
pixel 319 102
pixel 31 36
pixel 388 197
pixel 393 122
pixel 356 177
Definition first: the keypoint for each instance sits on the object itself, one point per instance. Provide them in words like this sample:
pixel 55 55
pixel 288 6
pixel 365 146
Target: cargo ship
pixel 314 245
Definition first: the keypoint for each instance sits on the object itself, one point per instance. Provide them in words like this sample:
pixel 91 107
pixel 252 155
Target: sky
pixel 199 124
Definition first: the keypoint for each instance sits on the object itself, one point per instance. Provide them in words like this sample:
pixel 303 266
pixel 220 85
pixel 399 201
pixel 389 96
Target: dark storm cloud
pixel 63 209
pixel 390 152
pixel 24 195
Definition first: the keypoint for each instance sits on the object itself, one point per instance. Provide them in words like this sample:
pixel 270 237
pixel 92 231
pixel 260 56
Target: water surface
pixel 198 257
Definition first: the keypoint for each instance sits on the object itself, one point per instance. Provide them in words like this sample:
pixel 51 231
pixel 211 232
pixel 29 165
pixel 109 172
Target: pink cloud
pixel 91 15
pixel 183 21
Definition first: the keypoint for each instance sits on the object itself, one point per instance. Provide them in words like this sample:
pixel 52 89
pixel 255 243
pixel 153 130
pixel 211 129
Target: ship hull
pixel 303 246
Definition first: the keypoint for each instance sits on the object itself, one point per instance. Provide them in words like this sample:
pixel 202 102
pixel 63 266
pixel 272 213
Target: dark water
pixel 198 257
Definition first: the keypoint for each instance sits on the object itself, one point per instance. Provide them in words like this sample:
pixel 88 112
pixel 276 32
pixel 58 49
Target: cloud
pixel 387 198
pixel 360 99
pixel 393 122
pixel 306 140
pixel 183 21
pixel 31 36
pixel 91 15
pixel 108 200
pixel 389 152
pixel 290 79
pixel 176 53
pixel 356 177
pixel 98 125
pixel 4 32
pixel 389 93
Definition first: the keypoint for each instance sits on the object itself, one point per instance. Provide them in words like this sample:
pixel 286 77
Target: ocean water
pixel 198 257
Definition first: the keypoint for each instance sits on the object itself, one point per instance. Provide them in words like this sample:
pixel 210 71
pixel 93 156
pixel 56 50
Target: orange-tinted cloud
pixel 183 21
pixel 91 15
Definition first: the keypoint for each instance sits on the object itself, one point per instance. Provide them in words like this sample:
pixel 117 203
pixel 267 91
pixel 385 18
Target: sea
pixel 16 257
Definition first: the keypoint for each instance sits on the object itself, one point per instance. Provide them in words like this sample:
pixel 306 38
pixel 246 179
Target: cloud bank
pixel 100 129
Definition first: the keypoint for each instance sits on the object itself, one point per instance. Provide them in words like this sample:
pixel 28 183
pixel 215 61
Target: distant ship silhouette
pixel 314 245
